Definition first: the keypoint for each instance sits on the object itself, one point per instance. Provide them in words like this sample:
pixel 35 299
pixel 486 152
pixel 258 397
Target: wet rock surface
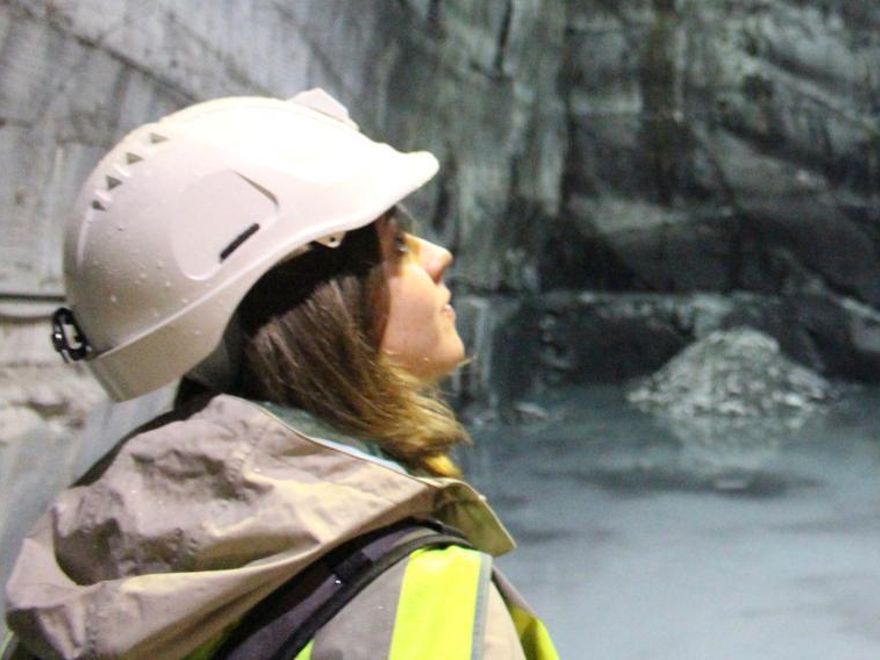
pixel 723 146
pixel 563 338
pixel 56 398
pixel 40 396
pixel 658 147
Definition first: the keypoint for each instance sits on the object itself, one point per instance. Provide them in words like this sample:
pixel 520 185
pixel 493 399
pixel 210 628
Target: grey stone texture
pixel 40 396
pixel 619 177
pixel 732 373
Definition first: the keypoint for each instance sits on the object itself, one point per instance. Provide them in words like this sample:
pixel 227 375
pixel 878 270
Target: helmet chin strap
pixel 219 370
pixel 65 328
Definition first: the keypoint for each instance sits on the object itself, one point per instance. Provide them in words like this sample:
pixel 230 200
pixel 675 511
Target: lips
pixel 448 302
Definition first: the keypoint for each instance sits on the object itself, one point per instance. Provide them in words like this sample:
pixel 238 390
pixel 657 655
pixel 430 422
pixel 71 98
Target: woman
pixel 257 249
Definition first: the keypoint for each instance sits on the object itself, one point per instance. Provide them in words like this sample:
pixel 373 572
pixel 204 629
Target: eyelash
pixel 400 244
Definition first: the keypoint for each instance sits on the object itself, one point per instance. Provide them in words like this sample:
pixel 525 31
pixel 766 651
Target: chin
pixel 433 371
pixel 446 366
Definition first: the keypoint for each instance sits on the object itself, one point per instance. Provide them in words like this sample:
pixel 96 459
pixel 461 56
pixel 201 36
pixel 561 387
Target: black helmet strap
pixel 63 319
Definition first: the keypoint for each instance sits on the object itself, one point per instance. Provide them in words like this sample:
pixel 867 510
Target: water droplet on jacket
pixel 113 299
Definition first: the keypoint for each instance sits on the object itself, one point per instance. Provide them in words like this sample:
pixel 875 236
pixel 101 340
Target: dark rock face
pixel 613 168
pixel 725 146
pixel 714 151
pixel 477 83
pixel 570 337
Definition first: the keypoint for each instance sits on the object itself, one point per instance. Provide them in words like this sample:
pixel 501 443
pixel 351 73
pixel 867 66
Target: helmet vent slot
pixel 112 182
pixel 238 241
pixel 131 158
pixel 155 138
pixel 97 205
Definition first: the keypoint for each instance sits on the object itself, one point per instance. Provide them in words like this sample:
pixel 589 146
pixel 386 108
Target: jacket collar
pixel 196 521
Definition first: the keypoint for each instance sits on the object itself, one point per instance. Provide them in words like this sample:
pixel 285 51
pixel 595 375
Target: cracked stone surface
pixel 659 148
pixel 40 396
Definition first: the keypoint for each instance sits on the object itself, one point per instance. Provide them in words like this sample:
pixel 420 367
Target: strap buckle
pixel 76 350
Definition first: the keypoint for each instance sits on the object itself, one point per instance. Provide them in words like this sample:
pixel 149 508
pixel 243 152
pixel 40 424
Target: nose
pixel 435 259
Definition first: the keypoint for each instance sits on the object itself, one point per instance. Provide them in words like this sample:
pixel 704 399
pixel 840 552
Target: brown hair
pixel 312 328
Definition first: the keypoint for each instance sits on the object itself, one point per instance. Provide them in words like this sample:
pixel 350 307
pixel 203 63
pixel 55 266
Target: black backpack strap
pixel 12 649
pixel 282 625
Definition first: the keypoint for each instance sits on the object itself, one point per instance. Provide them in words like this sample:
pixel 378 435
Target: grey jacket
pixel 196 521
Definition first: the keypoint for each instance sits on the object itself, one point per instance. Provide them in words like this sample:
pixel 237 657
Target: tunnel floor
pixel 634 544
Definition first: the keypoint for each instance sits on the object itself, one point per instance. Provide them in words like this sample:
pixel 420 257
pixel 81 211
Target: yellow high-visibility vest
pixel 431 606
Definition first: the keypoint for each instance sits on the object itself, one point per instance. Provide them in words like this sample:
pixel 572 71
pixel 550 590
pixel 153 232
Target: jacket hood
pixel 196 521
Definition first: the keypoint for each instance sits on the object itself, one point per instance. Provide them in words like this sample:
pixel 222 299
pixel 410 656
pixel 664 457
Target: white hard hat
pixel 183 216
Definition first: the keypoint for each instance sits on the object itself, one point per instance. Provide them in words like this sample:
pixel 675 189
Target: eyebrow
pixel 403 219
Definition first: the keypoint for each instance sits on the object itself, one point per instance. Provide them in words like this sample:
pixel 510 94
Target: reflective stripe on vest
pixel 532 633
pixel 306 653
pixel 442 605
pixel 430 606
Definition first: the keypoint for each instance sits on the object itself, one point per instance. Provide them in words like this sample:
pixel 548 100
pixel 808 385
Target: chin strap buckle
pixel 79 349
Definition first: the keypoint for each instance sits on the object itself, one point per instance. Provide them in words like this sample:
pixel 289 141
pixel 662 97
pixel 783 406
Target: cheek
pixel 418 334
pixel 410 329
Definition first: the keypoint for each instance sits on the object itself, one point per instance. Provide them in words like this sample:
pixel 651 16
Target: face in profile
pixel 420 333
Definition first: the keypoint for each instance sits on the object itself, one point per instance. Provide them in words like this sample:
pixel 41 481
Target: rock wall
pixel 594 153
pixel 39 395
pixel 723 146
pixel 722 167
